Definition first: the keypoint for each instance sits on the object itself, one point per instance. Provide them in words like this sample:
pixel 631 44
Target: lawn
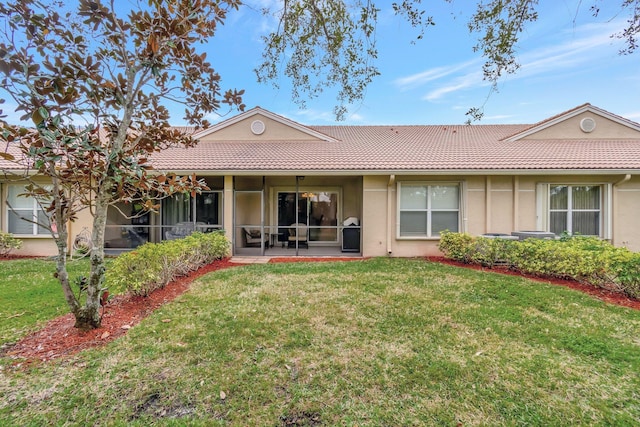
pixel 30 294
pixel 376 342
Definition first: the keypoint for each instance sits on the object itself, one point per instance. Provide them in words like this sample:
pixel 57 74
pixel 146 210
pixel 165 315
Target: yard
pixel 375 342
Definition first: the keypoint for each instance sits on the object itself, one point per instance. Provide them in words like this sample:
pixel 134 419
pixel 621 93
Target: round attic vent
pixel 258 127
pixel 587 124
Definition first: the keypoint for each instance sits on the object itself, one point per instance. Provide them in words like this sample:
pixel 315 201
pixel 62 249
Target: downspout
pixel 390 226
pixel 262 218
pixel 487 207
pixel 626 178
pixel 297 211
pixel 516 203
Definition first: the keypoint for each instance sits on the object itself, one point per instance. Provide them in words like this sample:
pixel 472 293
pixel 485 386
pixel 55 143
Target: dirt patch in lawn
pixel 603 294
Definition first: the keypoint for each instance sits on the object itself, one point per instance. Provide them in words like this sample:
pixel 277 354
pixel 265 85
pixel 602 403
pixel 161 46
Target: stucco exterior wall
pixel 494 204
pixel 626 221
pixel 375 222
pixel 489 204
pixel 273 130
pixel 40 245
pixel 500 193
pixel 474 198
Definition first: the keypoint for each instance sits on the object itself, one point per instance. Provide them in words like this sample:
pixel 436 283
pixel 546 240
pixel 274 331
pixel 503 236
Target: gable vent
pixel 587 125
pixel 258 127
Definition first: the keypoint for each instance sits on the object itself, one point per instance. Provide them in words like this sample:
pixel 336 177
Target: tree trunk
pixel 88 317
pixel 61 269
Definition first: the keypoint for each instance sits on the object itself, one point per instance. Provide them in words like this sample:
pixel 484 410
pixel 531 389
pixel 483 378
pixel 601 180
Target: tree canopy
pixel 332 43
pixel 90 78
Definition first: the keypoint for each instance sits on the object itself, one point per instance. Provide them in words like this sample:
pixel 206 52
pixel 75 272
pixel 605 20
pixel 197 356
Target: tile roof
pixel 406 149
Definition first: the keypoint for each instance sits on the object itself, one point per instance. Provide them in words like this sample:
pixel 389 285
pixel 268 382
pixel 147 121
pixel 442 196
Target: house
pixel 280 187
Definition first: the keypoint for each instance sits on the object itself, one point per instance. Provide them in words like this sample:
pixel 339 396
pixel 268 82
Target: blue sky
pixel 567 56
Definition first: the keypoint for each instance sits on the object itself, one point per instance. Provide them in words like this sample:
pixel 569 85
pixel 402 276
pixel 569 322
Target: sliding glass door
pixel 204 211
pixel 316 210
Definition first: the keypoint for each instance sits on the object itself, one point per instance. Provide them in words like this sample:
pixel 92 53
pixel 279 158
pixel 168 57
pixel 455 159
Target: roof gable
pixel 585 122
pixel 258 124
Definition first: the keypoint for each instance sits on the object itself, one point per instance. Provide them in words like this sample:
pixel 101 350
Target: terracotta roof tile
pixel 406 148
pixel 398 149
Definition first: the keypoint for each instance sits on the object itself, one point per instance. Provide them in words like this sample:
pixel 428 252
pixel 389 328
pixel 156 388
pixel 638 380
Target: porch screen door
pixel 249 233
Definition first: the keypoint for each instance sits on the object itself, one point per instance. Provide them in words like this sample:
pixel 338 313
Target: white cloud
pixel 314 116
pixel 634 115
pixel 419 79
pixel 588 44
pixel 459 83
pixel 570 54
pixel 498 117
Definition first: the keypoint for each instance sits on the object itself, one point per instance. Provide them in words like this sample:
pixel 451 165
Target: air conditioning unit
pixel 499 236
pixel 533 235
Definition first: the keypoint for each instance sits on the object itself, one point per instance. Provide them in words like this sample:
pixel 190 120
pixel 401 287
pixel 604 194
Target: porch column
pixel 227 216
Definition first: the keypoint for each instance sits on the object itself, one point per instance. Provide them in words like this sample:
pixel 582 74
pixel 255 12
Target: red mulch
pixel 603 294
pixel 59 338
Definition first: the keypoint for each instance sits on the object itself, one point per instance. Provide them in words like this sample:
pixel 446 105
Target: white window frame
pixel 429 210
pixel 543 213
pixel 24 213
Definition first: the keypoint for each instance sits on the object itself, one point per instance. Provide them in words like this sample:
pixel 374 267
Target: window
pixel 205 207
pixel 25 207
pixel 427 209
pixel 575 209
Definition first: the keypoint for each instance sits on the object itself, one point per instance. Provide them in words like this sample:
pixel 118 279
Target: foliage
pixel 333 43
pixel 8 243
pixel 586 259
pixel 153 265
pixel 378 342
pixel 91 76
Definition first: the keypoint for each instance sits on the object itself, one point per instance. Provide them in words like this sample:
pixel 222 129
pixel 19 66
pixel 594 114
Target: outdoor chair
pixel 298 233
pixel 252 238
pixel 182 229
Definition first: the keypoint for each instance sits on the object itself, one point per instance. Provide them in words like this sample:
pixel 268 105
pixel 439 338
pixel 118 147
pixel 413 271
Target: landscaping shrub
pixel 457 246
pixel 8 243
pixel 625 269
pixel 153 265
pixel 585 259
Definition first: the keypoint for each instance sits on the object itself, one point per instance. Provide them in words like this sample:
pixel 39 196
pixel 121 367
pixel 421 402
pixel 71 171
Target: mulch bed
pixel 603 294
pixel 59 338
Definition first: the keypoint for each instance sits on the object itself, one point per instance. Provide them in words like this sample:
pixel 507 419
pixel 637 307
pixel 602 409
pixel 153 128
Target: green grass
pixel 30 295
pixel 377 342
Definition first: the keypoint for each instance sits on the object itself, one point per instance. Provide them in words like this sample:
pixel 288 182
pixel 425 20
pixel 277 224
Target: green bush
pixel 578 258
pixel 153 265
pixel 625 270
pixel 585 259
pixel 457 246
pixel 8 243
